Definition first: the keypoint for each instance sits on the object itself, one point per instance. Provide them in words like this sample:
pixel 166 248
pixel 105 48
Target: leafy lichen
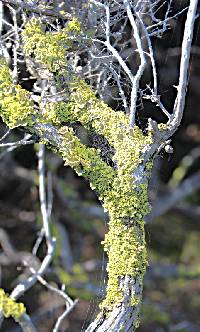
pixel 123 190
pixel 49 48
pixel 9 307
pixel 16 107
pixel 86 161
pixel 125 200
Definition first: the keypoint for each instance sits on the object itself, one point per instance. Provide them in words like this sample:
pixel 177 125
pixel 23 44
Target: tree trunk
pixel 120 309
pixel 125 317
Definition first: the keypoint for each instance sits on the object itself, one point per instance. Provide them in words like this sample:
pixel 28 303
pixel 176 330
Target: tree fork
pixel 123 190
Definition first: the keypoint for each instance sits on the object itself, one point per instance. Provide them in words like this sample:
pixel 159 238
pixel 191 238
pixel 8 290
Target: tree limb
pixel 184 66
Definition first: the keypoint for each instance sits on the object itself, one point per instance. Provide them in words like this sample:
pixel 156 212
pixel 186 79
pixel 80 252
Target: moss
pixel 9 307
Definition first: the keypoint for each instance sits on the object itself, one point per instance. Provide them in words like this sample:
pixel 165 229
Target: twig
pixel 136 80
pixel 26 323
pixel 1 17
pixel 40 10
pixel 62 317
pixel 16 45
pixel 13 145
pixel 69 303
pixel 42 191
pixel 49 194
pixel 151 54
pixel 24 141
pixel 184 65
pixel 156 99
pixel 50 242
pixel 5 135
pixel 164 23
pixel 38 242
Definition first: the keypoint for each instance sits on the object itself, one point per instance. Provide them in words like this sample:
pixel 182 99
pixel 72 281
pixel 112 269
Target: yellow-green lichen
pixel 56 113
pixel 73 26
pixel 125 240
pixel 124 199
pixel 122 190
pixel 49 48
pixel 126 250
pixel 86 161
pixel 163 126
pixel 124 194
pixel 9 307
pixel 16 107
pixel 83 106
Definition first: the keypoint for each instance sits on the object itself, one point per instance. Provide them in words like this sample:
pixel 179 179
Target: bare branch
pixel 26 324
pixel 54 12
pixel 69 303
pixel 24 141
pixel 5 135
pixel 184 65
pixel 50 242
pixel 136 79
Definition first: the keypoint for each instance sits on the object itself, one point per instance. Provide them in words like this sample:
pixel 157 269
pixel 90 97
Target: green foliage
pixel 151 313
pixel 75 278
pixel 9 307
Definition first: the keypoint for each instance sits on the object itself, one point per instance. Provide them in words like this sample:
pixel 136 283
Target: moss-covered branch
pixel 86 162
pixel 123 190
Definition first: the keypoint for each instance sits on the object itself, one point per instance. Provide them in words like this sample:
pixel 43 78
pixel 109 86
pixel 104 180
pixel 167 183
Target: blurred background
pixel 172 283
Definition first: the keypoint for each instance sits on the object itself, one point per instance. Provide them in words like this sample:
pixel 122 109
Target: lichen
pixel 125 201
pixel 16 106
pixel 49 48
pixel 162 126
pixel 86 161
pixel 123 190
pixel 9 307
pixel 122 197
pixel 125 240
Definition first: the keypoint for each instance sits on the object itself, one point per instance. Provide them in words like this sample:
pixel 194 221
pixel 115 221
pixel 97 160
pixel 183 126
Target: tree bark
pixel 124 317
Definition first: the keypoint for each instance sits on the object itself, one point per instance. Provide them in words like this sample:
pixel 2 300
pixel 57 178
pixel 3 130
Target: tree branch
pixel 184 66
pixel 53 12
pixel 136 80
